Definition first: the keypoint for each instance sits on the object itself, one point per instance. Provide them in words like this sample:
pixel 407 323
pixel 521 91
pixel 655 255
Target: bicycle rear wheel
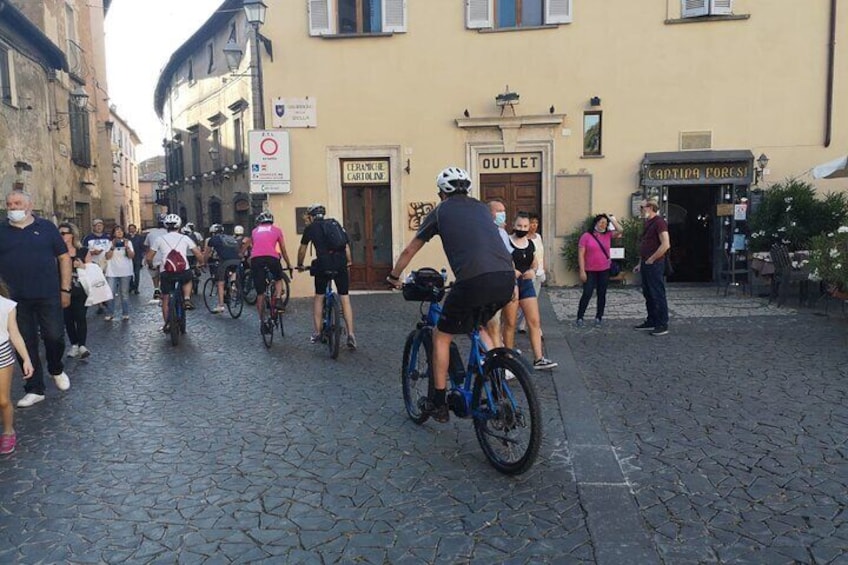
pixel 247 288
pixel 280 324
pixel 416 373
pixel 235 304
pixel 506 413
pixel 266 327
pixel 286 289
pixel 174 318
pixel 333 326
pixel 210 294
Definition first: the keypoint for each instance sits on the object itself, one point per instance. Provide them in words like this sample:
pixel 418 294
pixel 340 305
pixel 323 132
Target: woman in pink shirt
pixel 593 258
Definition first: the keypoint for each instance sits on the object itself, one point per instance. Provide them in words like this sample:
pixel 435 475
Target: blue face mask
pixel 500 218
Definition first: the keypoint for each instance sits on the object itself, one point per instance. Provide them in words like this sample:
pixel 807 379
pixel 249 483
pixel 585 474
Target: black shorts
pixel 257 267
pixel 475 299
pixel 167 280
pixel 224 266
pixel 341 278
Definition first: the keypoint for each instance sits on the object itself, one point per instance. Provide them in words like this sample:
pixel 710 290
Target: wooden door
pixel 368 222
pixel 521 192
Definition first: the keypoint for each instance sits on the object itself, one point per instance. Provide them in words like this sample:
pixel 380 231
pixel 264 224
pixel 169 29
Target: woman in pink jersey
pixel 268 245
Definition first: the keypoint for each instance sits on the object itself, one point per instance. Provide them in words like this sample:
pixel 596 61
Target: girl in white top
pixel 119 272
pixel 9 333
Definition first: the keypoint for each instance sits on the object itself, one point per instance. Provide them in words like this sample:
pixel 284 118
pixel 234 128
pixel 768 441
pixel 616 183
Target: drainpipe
pixel 831 56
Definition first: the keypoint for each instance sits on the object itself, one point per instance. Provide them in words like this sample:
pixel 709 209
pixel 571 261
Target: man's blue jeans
pixel 44 316
pixel 653 288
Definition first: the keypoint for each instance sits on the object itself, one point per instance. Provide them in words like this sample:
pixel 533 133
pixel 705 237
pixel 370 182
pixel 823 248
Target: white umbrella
pixel 838 168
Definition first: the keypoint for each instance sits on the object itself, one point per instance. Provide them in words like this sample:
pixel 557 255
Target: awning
pixel 838 168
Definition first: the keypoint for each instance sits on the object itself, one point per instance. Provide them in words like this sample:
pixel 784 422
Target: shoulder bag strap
pixel 601 245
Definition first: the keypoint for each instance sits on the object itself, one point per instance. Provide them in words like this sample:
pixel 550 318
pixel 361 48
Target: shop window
pixel 592 134
pixel 697 8
pixel 356 17
pixel 513 14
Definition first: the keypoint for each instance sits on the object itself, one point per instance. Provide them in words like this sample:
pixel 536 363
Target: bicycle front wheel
pixel 506 414
pixel 210 294
pixel 333 326
pixel 235 304
pixel 247 288
pixel 416 373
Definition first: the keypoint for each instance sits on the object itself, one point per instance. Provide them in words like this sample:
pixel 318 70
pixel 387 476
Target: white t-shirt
pixel 150 242
pixel 6 307
pixel 173 240
pixel 120 265
pixel 540 255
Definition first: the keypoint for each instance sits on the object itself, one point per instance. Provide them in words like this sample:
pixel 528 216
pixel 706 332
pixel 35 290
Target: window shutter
pixel 558 12
pixel 478 14
pixel 320 17
pixel 394 16
pixel 721 7
pixel 694 8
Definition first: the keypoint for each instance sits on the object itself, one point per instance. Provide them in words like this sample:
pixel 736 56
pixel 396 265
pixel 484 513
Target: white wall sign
pixel 270 162
pixel 295 113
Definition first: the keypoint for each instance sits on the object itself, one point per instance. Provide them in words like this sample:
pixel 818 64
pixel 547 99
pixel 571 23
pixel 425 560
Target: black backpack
pixel 334 235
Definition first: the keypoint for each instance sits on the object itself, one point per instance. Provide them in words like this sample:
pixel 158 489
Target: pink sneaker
pixel 7 444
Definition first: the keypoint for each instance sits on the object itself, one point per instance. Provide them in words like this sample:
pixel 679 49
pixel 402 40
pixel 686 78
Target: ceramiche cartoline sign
pixel 657 174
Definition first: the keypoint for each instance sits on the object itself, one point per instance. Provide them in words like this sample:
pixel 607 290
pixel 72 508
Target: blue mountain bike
pixel 494 388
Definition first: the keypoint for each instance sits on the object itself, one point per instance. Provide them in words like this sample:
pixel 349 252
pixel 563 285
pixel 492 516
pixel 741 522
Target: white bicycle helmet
pixel 216 228
pixel 265 218
pixel 238 230
pixel 185 230
pixel 316 210
pixel 173 221
pixel 453 179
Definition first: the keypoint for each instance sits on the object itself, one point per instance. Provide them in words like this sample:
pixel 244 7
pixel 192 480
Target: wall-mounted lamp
pixel 79 98
pixel 759 170
pixel 594 101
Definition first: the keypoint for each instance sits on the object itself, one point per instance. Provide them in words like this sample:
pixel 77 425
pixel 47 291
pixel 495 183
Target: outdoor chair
pixel 785 275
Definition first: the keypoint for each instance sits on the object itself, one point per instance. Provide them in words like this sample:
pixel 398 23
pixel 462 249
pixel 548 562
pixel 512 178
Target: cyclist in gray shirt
pixel 485 278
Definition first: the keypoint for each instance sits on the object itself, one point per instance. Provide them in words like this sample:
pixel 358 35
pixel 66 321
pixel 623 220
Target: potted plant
pixel 829 261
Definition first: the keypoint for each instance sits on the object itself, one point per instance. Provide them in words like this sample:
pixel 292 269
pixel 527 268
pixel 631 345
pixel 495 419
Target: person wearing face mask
pixel 76 324
pixel 523 258
pixel 593 259
pixel 35 264
pixel 498 210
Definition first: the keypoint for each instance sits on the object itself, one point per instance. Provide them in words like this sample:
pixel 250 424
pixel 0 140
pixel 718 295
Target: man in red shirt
pixel 652 256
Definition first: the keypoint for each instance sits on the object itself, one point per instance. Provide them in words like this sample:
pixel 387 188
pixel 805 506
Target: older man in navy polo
pixel 35 264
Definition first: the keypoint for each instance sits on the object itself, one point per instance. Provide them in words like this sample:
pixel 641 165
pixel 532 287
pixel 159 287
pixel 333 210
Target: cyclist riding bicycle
pixel 268 244
pixel 173 241
pixel 226 249
pixel 485 278
pixel 153 265
pixel 331 256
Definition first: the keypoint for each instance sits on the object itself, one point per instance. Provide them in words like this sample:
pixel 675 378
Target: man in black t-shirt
pixel 228 253
pixel 327 259
pixel 485 278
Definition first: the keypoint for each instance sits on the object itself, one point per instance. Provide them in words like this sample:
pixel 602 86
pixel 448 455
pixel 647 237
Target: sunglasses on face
pixel 65 233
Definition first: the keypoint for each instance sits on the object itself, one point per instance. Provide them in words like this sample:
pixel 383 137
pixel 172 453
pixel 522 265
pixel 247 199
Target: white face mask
pixel 16 215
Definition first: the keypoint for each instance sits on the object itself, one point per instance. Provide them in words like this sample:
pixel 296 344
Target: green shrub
pixel 829 258
pixel 790 214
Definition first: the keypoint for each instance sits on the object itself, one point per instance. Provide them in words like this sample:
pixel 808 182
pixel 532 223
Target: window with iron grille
pixel 80 134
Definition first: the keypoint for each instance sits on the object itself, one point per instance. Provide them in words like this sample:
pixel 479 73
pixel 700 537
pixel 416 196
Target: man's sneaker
pixel 157 294
pixel 578 322
pixel 167 327
pixel 645 326
pixel 217 309
pixel 7 444
pixel 189 305
pixel 109 318
pixel 542 364
pixel 83 352
pixel 316 338
pixel 125 318
pixel 29 399
pixel 598 322
pixel 62 381
pixel 351 342
pixel 660 330
pixel 74 352
pixel 440 414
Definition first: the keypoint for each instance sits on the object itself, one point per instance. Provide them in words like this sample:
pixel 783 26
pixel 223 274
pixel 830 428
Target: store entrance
pixel 693 229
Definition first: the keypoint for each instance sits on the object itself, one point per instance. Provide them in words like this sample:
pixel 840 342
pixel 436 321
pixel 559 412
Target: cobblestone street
pixel 724 441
